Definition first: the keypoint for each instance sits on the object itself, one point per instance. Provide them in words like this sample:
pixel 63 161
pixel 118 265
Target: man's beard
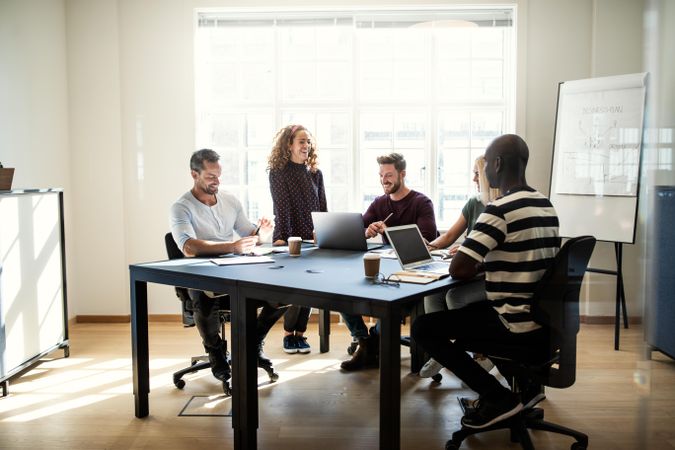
pixel 211 190
pixel 395 187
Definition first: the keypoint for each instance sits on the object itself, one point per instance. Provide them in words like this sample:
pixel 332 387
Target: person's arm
pixel 426 220
pixel 200 247
pixel 184 234
pixel 488 234
pixel 282 207
pixel 463 266
pixel 323 204
pixel 242 225
pixel 370 220
pixel 450 236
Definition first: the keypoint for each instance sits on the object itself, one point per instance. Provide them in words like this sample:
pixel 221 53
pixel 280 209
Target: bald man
pixel 513 242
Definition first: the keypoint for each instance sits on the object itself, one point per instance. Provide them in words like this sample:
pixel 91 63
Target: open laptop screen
pixel 339 230
pixel 408 243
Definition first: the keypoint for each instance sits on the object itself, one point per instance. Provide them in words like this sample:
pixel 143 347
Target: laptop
pixel 341 231
pixel 412 252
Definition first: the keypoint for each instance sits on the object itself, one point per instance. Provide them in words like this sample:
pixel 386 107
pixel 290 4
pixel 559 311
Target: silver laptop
pixel 341 231
pixel 412 252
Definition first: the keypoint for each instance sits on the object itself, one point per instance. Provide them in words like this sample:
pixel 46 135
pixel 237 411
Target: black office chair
pixel 201 362
pixel 555 306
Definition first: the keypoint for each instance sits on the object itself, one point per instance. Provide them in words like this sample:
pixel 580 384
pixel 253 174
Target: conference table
pixel 331 280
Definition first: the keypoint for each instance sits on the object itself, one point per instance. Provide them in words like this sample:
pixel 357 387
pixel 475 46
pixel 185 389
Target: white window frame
pixel 356 106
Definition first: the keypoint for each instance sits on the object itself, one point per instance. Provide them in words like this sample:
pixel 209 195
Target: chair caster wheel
pixel 179 383
pixel 437 378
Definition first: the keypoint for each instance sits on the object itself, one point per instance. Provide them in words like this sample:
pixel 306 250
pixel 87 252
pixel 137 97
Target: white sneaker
pixel 485 363
pixel 430 368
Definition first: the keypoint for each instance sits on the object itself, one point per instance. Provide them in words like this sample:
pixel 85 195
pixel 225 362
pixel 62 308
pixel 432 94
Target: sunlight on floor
pixel 58 385
pixel 57 408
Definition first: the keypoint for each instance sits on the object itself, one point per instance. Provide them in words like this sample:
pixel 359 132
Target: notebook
pixel 412 252
pixel 341 231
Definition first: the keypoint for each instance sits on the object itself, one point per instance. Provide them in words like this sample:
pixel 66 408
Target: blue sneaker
pixel 301 343
pixel 290 344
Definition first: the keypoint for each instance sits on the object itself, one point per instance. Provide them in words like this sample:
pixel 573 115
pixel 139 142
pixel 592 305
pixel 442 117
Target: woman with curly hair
pixel 296 184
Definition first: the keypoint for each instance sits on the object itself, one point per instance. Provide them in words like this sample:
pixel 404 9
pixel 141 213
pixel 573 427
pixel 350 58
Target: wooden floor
pixel 85 401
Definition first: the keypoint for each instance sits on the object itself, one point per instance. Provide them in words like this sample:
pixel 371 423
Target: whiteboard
pixel 596 156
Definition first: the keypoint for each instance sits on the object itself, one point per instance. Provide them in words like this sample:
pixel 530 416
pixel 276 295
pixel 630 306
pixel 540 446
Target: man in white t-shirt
pixel 203 222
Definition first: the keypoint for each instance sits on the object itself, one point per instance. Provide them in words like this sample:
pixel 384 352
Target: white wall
pixel 139 164
pixel 34 100
pixel 99 259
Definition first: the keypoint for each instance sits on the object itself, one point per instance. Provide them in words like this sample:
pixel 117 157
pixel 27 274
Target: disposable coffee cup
pixel 294 244
pixel 371 264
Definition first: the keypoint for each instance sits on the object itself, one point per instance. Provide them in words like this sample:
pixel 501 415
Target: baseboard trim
pixel 165 318
pixel 607 320
pixel 125 318
pixel 314 318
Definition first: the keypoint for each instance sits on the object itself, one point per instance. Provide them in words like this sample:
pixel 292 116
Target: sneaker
pixel 290 344
pixel 263 361
pixel 467 404
pixel 430 368
pixel 302 345
pixel 489 411
pixel 220 368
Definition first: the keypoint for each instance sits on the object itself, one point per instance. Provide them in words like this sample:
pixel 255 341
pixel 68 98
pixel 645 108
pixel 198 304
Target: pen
pixel 387 218
pixel 257 230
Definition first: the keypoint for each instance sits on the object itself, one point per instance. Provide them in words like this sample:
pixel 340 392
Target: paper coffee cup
pixel 371 265
pixel 294 245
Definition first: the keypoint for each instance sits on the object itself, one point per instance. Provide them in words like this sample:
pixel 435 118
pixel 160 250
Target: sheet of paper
pixel 234 260
pixel 387 253
pixel 405 277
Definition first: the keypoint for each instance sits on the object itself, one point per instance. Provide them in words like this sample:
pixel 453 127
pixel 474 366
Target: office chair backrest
pixel 173 252
pixel 556 305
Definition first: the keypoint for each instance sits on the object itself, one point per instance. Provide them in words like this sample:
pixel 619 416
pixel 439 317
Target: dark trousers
pixel 478 328
pixel 207 319
pixel 296 318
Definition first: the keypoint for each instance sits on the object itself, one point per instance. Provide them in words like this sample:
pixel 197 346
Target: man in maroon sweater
pixel 405 205
pixel 399 205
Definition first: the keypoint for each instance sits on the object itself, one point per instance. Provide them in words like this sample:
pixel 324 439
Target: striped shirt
pixel 517 238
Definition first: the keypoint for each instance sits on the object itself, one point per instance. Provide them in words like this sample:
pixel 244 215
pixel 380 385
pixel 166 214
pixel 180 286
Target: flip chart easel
pixel 596 165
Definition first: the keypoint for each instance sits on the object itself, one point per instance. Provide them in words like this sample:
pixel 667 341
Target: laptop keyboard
pixel 433 267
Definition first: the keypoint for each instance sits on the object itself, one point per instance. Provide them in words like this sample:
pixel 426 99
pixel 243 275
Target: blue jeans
pixel 357 327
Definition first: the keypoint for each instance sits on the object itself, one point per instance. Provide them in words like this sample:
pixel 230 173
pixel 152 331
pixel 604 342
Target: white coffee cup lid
pixel 294 238
pixel 371 256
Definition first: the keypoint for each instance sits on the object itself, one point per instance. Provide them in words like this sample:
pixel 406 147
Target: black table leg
pixel 390 382
pixel 244 365
pixel 324 330
pixel 139 346
pixel 417 354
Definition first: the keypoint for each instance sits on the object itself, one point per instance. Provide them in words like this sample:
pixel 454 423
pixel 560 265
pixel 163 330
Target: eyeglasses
pixel 391 280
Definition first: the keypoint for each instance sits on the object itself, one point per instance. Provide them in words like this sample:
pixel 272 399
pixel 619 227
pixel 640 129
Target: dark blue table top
pixel 334 272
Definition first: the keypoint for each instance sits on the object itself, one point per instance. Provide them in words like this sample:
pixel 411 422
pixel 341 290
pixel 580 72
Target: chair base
pixel 201 362
pixel 519 424
pixel 196 366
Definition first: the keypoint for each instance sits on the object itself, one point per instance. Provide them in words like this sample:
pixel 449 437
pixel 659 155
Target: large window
pixel 435 85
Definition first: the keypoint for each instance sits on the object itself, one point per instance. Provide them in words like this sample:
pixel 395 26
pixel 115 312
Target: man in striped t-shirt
pixel 513 242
